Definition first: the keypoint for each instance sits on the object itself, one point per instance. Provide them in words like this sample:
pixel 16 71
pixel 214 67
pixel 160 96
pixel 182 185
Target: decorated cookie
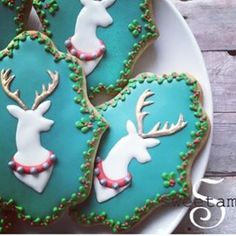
pixel 157 128
pixel 106 36
pixel 13 17
pixel 47 154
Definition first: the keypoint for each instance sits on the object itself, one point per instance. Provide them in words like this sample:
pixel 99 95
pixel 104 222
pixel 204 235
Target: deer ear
pixel 43 107
pixel 151 142
pixel 15 110
pixel 131 129
pixel 85 2
pixel 107 3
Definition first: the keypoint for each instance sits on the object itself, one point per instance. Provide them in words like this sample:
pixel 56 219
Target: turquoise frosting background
pixel 118 39
pixel 29 64
pixel 7 24
pixel 170 100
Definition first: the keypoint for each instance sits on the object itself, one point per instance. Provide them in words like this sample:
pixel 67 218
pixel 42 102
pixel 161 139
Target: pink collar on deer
pixel 33 170
pixel 107 182
pixel 84 56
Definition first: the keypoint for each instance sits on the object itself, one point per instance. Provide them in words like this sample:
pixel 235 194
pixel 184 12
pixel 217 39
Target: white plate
pixel 176 50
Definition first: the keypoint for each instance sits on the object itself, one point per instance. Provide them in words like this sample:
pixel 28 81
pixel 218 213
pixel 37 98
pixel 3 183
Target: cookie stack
pixel 77 132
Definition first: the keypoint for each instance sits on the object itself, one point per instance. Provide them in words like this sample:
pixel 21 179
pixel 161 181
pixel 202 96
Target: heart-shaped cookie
pixel 13 17
pixel 47 153
pixel 107 36
pixel 157 128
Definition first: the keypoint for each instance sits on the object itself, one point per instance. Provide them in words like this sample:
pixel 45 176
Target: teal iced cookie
pixel 157 128
pixel 46 154
pixel 107 36
pixel 13 17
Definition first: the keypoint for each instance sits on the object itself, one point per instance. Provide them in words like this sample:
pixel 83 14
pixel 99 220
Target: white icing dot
pixel 20 170
pixel 11 164
pixel 115 186
pixel 73 52
pixel 45 165
pixel 82 56
pixel 103 182
pixel 97 171
pixel 68 43
pixel 33 170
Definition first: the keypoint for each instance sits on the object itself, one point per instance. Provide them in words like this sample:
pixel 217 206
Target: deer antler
pixel 140 105
pixel 156 131
pixel 46 91
pixel 6 79
pixel 166 130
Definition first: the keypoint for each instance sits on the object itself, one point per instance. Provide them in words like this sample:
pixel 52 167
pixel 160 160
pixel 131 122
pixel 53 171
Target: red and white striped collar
pixel 106 181
pixel 33 170
pixel 84 56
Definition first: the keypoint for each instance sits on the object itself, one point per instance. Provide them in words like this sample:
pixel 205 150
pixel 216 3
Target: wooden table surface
pixel 213 23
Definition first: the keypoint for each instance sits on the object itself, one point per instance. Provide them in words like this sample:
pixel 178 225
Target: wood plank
pixel 225 118
pixel 223 190
pixel 223 157
pixel 222 72
pixel 212 22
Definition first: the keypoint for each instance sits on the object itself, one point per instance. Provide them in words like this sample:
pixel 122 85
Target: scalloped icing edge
pixel 78 82
pixel 197 143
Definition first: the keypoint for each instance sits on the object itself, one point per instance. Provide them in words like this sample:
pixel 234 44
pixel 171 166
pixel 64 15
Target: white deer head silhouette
pixel 32 163
pixel 97 12
pixel 138 146
pixel 25 117
pixel 84 44
pixel 111 175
